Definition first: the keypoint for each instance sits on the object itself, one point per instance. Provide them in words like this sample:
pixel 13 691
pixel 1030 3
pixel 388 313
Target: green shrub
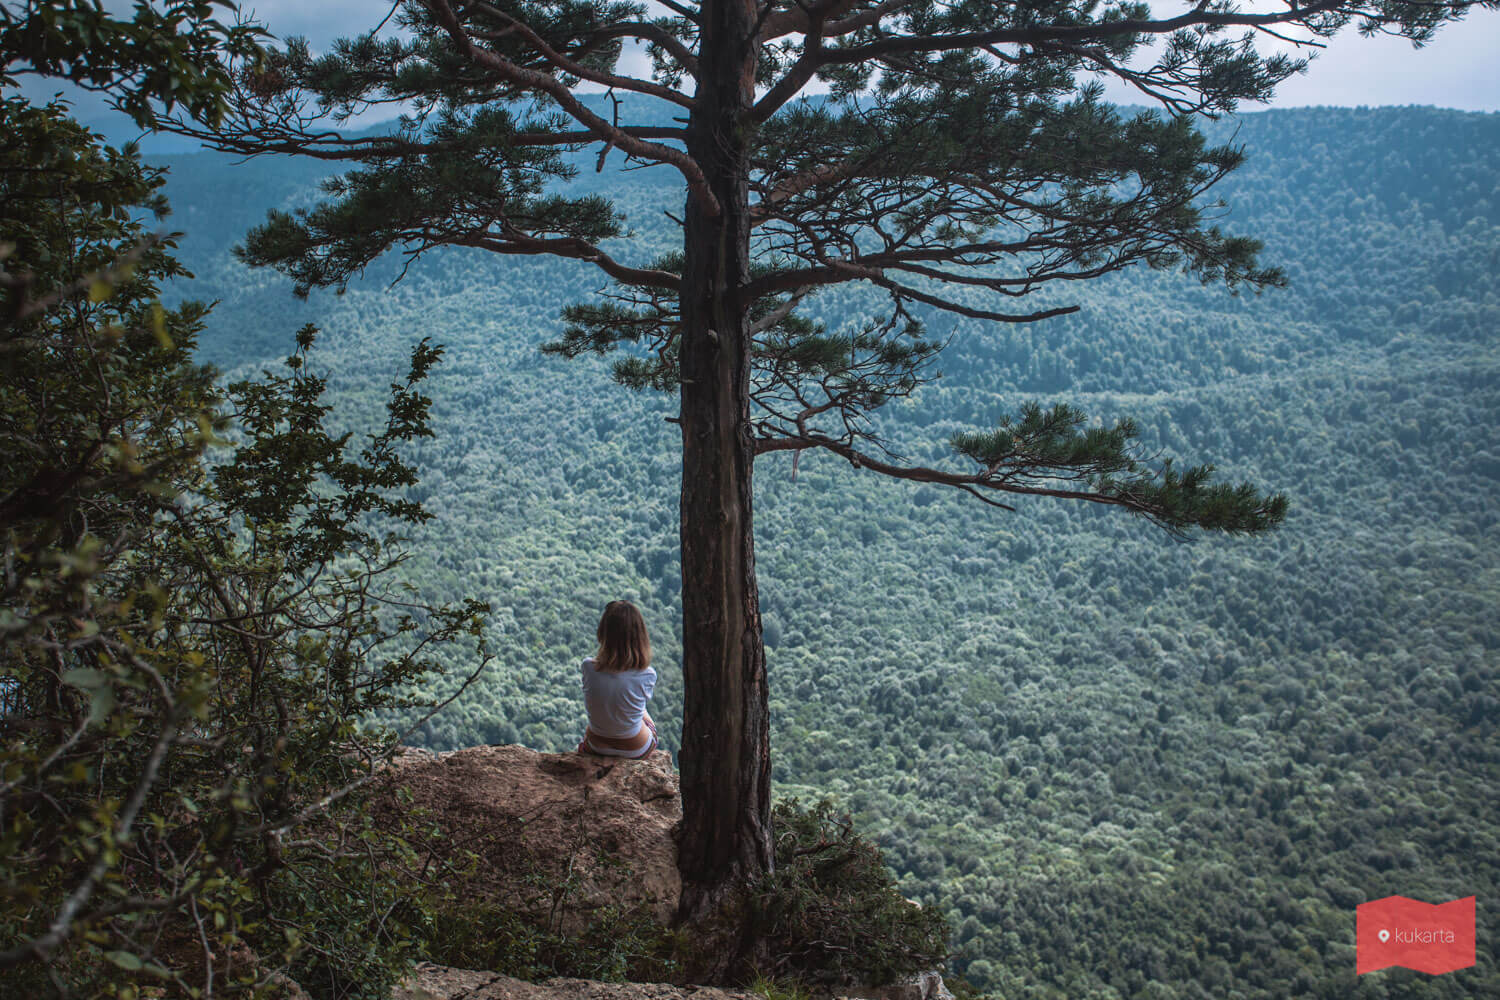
pixel 528 936
pixel 187 647
pixel 831 913
pixel 770 989
pixel 617 945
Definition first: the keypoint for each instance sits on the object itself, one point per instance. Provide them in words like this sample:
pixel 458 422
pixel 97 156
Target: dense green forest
pixel 1124 765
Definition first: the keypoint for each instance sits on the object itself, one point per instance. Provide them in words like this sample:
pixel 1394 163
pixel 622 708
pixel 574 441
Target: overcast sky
pixel 1459 69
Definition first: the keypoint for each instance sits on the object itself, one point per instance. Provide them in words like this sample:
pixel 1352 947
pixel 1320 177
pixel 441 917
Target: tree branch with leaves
pixel 198 619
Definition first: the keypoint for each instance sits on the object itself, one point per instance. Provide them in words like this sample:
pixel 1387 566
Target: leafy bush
pixel 831 913
pixel 617 946
pixel 187 649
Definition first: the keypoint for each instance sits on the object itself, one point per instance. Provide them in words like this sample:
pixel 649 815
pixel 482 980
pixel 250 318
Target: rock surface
pixel 922 986
pixel 551 829
pixel 434 982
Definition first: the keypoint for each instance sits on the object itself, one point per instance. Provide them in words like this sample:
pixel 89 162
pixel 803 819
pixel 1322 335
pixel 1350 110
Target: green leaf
pixel 128 961
pixel 84 678
pixel 101 704
pixel 158 320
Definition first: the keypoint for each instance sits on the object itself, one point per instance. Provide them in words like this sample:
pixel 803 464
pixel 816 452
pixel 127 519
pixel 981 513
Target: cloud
pixel 319 21
pixel 1457 70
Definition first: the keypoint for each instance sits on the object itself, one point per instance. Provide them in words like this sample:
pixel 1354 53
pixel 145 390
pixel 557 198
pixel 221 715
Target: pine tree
pixel 957 156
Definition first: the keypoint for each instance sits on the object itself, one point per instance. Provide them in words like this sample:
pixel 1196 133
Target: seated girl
pixel 617 683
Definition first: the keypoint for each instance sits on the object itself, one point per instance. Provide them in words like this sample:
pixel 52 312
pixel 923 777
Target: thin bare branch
pixel 572 68
pixel 512 242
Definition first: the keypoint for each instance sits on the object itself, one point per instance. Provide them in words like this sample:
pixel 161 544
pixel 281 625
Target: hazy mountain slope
pixel 1127 766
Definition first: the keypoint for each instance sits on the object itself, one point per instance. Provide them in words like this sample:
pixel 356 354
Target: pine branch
pixel 576 249
pixel 1050 452
pixel 794 21
pixel 563 95
pixel 1412 18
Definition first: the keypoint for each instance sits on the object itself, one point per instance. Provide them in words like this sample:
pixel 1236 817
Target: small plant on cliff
pixel 770 989
pixel 617 946
pixel 530 935
pixel 831 914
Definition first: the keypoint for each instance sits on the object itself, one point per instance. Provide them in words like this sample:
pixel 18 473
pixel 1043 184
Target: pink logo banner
pixel 1428 937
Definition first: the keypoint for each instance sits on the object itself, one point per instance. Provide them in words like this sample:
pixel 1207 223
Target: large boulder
pixel 558 835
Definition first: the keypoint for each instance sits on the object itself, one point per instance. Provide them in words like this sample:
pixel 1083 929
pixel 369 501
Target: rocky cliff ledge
pixel 433 982
pixel 561 836
pixel 551 830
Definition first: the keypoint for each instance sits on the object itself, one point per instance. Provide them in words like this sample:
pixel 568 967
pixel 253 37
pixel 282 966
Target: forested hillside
pixel 1126 766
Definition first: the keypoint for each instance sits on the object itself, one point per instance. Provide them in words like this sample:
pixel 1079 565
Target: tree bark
pixel 725 837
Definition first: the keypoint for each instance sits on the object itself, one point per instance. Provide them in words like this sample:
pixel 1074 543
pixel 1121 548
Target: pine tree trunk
pixel 724 839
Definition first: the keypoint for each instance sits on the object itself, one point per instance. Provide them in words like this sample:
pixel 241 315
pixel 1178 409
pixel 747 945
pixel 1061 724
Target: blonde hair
pixel 623 642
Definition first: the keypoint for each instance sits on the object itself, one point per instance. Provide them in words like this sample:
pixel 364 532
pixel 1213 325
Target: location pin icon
pixel 1384 935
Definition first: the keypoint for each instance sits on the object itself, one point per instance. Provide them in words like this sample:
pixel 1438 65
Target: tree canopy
pixel 171 56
